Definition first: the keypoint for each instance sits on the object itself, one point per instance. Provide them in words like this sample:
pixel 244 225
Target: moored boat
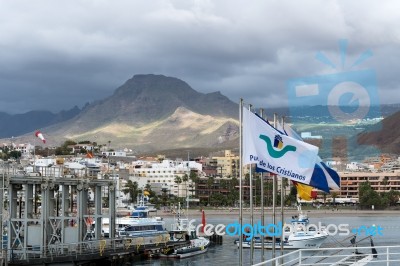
pixel 139 223
pixel 185 233
pixel 297 235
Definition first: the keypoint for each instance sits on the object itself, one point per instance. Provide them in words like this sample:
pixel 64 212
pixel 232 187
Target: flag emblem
pixel 278 143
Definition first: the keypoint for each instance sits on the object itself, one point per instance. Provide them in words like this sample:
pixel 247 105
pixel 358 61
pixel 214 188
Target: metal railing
pixel 95 248
pixel 384 255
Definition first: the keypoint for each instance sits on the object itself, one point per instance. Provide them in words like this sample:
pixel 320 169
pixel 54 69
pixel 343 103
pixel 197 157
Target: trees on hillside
pixel 64 149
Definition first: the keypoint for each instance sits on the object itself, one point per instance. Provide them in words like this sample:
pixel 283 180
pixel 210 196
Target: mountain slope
pixel 153 112
pixel 183 128
pixel 384 135
pixel 148 98
pixel 15 125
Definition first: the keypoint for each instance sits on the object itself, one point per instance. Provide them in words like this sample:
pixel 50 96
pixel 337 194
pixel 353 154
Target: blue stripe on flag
pixel 318 179
pixel 261 170
pixel 332 174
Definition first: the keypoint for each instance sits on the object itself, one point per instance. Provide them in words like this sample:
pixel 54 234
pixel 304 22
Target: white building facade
pixel 164 174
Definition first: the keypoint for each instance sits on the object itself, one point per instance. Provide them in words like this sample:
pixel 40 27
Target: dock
pixel 48 220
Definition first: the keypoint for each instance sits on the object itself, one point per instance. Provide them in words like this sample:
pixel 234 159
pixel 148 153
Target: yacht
pixel 138 223
pixel 300 236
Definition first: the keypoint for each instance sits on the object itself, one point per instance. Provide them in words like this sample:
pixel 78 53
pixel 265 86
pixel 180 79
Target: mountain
pixel 153 112
pixel 383 135
pixel 15 125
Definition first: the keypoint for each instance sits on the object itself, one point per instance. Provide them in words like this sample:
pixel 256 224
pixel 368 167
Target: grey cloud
pixel 54 55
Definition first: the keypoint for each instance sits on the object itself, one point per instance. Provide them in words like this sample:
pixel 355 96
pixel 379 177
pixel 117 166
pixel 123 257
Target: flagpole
pixel 274 185
pixel 282 198
pixel 240 179
pixel 262 201
pixel 251 207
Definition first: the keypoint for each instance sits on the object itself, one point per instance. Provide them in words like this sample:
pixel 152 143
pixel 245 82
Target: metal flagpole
pixel 262 202
pixel 240 180
pixel 274 185
pixel 251 208
pixel 282 198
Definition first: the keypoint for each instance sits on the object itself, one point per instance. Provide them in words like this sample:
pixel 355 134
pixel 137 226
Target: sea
pixel 228 253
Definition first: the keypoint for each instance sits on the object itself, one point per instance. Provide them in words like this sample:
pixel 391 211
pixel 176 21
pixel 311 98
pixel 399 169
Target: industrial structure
pixel 47 219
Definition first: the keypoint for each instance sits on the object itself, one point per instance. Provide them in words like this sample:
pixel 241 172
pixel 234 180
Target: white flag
pixel 275 152
pixel 332 178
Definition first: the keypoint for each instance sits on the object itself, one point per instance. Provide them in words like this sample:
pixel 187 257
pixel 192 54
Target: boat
pixel 138 223
pixel 184 233
pixel 300 240
pixel 297 235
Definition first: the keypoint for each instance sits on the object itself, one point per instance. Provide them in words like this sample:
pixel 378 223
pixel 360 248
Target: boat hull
pixel 295 243
pixel 182 255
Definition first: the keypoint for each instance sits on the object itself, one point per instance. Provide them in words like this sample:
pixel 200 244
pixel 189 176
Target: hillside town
pixel 203 181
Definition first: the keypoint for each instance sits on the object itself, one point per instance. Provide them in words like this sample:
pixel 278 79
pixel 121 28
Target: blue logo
pixel 277 144
pixel 345 95
pixel 368 231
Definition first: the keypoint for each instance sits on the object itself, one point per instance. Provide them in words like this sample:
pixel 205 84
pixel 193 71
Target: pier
pixel 47 218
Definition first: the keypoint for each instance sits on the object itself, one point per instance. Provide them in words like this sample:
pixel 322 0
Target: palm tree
pixel 185 178
pixel 324 197
pixel 334 196
pixel 131 188
pixel 194 178
pixel 178 180
pixel 210 182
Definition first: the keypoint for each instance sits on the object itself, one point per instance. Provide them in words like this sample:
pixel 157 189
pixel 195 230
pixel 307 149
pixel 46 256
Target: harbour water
pixel 228 253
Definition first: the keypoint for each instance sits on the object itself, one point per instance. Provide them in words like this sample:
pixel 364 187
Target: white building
pixel 163 175
pixel 307 135
pixel 114 153
pixel 24 148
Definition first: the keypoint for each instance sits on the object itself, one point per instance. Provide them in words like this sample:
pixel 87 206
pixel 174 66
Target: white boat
pixel 139 223
pixel 300 236
pixel 185 233
pixel 299 240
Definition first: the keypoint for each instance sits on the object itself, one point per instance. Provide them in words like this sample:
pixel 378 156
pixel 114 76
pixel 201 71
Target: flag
pixel 39 135
pixel 276 152
pixel 323 177
pixel 305 192
pixel 203 221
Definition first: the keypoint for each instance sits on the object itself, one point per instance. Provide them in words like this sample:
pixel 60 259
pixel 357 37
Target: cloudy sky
pixel 57 54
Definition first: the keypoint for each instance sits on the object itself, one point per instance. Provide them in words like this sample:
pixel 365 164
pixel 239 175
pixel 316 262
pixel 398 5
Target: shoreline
pixel 290 212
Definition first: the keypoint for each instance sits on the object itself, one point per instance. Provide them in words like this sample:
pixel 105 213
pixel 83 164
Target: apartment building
pixel 163 175
pixel 227 165
pixel 380 182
